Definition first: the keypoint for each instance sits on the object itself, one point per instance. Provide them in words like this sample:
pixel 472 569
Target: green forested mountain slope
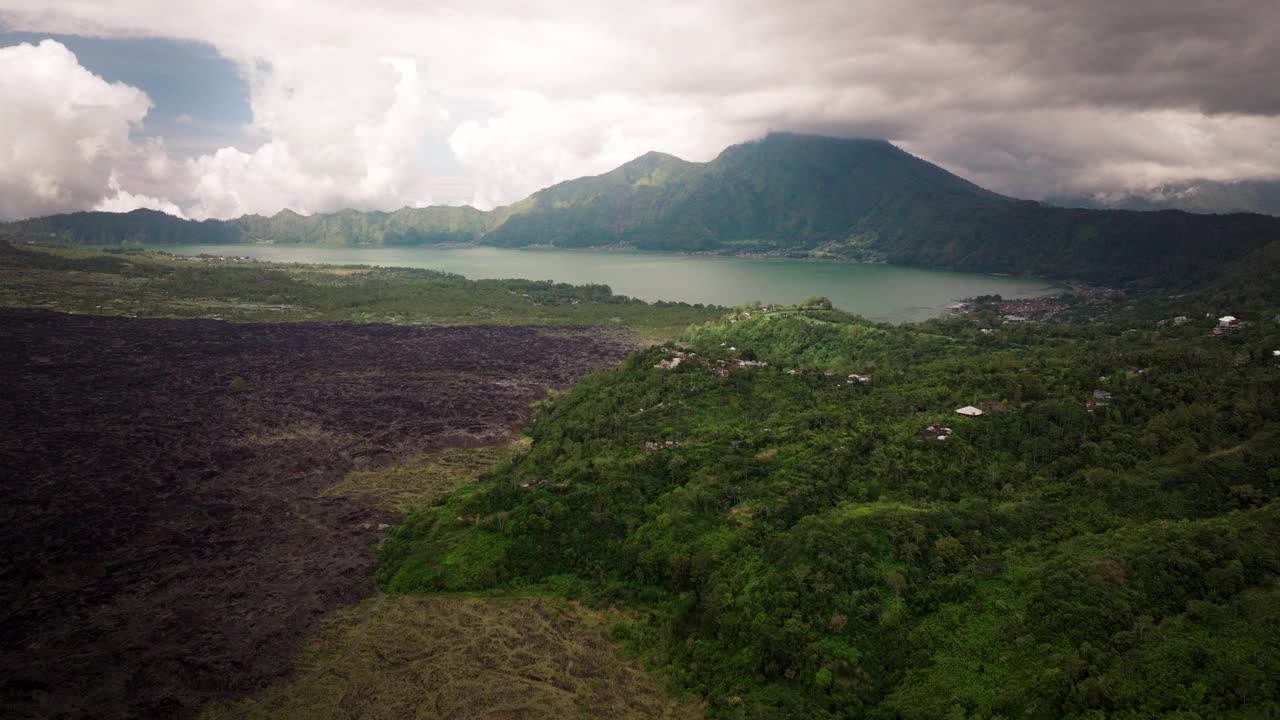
pixel 104 228
pixel 783 191
pixel 407 226
pixel 797 544
pixel 785 194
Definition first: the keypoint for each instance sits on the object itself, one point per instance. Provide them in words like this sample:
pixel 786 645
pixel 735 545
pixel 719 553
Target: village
pixel 1040 309
pixel 1012 311
pixel 683 356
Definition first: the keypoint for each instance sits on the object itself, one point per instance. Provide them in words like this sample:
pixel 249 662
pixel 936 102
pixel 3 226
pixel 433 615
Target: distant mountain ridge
pixel 1198 196
pixel 786 194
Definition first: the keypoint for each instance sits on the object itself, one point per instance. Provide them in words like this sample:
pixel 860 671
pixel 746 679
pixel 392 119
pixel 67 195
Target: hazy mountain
pixel 104 228
pixel 785 194
pixel 1199 196
pixel 406 226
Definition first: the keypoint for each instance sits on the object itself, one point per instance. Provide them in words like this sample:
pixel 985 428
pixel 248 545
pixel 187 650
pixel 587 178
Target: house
pixel 937 432
pixel 855 377
pixel 1227 323
pixel 969 410
pixel 1101 395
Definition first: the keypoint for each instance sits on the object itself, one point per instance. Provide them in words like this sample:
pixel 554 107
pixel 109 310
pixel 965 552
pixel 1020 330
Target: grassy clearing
pixel 406 485
pixel 462 657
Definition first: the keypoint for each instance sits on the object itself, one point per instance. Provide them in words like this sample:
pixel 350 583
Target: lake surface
pixel 879 292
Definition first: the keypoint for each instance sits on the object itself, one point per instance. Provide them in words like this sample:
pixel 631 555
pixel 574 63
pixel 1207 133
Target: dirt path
pixel 164 539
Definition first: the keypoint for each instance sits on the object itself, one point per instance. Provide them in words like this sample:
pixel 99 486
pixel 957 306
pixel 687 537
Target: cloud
pixel 65 130
pixel 341 134
pixel 121 200
pixel 537 142
pixel 1030 97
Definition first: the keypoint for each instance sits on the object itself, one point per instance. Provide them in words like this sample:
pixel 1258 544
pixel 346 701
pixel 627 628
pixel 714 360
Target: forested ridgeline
pixel 799 524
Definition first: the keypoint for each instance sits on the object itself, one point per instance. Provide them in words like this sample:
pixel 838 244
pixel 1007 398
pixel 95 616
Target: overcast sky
pixel 216 109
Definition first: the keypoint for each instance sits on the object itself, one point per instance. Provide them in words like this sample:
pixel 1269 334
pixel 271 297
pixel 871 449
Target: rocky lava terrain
pixel 164 538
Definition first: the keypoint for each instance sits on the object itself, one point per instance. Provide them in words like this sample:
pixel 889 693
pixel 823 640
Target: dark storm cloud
pixel 1219 57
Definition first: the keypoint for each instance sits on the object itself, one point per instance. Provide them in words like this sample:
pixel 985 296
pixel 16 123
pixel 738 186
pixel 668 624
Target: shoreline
pixel 781 254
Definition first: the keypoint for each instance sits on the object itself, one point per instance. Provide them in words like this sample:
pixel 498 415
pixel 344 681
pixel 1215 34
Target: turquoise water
pixel 880 292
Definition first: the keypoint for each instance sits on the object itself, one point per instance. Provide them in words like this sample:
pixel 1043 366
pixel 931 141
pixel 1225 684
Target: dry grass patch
pixel 406 485
pixel 462 657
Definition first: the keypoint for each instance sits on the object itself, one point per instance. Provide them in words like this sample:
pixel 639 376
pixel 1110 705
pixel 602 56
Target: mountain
pixel 783 191
pixel 406 226
pixel 103 228
pixel 1199 196
pixel 785 194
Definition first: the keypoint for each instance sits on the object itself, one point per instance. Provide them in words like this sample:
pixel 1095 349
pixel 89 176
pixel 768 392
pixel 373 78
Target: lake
pixel 879 292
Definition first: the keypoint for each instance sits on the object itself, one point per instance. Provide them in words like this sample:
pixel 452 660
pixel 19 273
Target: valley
pixel 885 360
pixel 248 487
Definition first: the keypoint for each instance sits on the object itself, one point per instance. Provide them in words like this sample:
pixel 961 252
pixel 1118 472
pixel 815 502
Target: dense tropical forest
pixel 797 523
pixel 787 195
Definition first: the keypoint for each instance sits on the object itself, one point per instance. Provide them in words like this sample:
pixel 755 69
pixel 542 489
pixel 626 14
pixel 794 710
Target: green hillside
pixel 407 226
pixel 797 544
pixel 792 195
pixel 781 192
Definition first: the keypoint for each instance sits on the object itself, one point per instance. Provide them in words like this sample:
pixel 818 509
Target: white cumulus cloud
pixel 539 141
pixel 65 131
pixel 342 133
pixel 121 200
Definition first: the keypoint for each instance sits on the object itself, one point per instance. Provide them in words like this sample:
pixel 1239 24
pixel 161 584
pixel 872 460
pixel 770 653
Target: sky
pixel 214 110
